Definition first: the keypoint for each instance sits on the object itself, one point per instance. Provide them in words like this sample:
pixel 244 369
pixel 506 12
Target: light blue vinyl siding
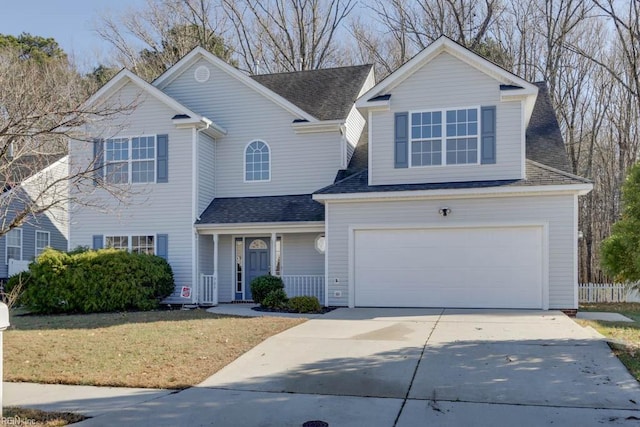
pixel 556 211
pixel 447 83
pixel 228 102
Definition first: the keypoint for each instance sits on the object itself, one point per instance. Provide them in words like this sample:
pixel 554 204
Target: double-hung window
pixel 42 241
pixel 14 244
pixel 444 137
pixel 130 160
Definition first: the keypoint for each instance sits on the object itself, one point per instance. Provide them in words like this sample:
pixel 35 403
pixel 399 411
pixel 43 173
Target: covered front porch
pixel 239 239
pixel 229 259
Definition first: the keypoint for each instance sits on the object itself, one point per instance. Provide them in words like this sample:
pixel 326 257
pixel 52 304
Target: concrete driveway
pixel 411 367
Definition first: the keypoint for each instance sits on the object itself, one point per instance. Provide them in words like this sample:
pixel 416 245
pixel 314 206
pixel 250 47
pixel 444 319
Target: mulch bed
pixel 275 310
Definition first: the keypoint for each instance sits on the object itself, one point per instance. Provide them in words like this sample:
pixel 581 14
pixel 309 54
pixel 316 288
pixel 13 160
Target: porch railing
pixel 208 294
pixel 304 285
pixel 606 292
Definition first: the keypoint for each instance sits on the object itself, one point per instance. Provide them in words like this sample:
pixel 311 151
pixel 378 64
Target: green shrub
pixel 261 286
pixel 96 281
pixel 304 304
pixel 276 299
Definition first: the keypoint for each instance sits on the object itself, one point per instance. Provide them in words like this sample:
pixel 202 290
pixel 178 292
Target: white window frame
pixel 443 138
pixel 234 269
pixel 130 161
pixel 39 250
pixel 7 246
pixel 130 237
pixel 244 162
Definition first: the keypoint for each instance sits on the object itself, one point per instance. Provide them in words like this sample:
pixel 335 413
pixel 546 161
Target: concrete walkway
pixel 246 310
pixel 404 367
pixel 601 315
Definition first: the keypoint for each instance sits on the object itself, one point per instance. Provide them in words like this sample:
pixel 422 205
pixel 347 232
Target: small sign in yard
pixel 186 292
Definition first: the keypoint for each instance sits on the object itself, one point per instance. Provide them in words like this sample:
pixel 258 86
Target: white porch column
pixel 272 269
pixel 215 257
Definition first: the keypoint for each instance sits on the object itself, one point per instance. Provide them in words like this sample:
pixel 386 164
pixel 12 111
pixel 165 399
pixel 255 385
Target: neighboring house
pixel 38 231
pixel 446 184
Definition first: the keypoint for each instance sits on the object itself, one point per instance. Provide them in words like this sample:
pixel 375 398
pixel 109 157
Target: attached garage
pixel 466 267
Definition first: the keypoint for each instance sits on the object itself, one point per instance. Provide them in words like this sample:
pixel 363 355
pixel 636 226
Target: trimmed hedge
pixel 304 304
pixel 276 299
pixel 261 286
pixel 96 281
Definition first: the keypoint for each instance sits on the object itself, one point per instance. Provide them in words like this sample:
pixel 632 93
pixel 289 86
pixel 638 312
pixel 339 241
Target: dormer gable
pixel 183 117
pixel 510 85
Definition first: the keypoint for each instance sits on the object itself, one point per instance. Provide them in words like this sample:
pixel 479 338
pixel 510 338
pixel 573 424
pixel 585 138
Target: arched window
pixel 257 162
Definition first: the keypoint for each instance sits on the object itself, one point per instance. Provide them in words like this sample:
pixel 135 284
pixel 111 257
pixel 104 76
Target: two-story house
pixel 446 184
pixel 35 190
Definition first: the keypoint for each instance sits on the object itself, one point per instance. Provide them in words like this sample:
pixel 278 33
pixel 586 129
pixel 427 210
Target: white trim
pixel 444 44
pixel 121 79
pixel 6 245
pixel 580 189
pixel 429 225
pixel 252 228
pixel 216 266
pixel 272 255
pixel 317 127
pixel 326 255
pixel 35 241
pixel 172 73
pixel 201 123
pixel 244 162
pixel 194 215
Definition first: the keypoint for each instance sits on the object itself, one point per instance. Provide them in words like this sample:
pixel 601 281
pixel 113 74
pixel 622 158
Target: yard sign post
pixel 4 324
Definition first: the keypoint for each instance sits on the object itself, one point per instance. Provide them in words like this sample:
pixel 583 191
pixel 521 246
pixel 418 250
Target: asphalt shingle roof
pixel 326 94
pixel 544 139
pixel 537 174
pixel 235 210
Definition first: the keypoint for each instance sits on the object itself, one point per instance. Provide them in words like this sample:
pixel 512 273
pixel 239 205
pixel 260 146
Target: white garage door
pixel 487 267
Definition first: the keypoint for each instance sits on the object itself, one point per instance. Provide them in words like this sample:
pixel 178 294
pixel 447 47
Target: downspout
pixel 203 125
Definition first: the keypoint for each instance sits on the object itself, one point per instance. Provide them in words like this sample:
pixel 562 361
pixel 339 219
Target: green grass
pixel 158 349
pixel 624 332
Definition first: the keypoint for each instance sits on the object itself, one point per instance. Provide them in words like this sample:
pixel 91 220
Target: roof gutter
pixel 302 127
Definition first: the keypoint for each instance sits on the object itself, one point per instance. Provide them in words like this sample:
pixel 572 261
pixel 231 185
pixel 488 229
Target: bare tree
pixel 288 35
pixel 401 28
pixel 151 39
pixel 40 110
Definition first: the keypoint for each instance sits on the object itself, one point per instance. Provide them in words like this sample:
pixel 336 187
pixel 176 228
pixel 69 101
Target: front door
pixel 257 261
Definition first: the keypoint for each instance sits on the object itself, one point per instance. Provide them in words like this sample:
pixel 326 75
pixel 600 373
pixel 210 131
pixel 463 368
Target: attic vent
pixel 201 74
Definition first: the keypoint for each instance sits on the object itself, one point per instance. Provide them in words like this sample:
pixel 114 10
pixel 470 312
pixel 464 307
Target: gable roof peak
pixel 440 45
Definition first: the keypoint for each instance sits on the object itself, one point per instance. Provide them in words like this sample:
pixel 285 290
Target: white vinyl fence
pixel 606 292
pixel 16 266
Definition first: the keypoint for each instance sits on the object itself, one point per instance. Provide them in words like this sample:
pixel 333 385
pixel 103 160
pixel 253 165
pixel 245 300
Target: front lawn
pixel 626 332
pixel 157 349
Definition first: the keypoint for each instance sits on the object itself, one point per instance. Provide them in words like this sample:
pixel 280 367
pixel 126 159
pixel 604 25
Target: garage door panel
pixel 478 267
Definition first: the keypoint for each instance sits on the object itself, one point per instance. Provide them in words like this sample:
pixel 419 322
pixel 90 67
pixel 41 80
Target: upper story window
pixel 257 162
pixel 130 160
pixel 444 137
